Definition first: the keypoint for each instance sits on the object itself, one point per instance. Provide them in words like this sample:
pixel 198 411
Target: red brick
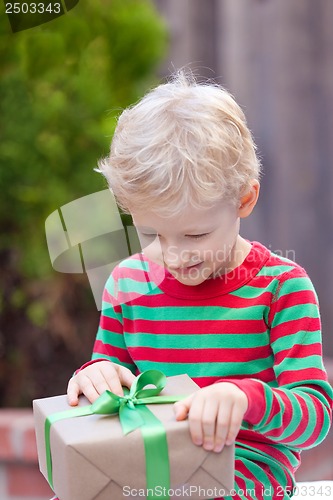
pixel 17 440
pixel 5 444
pixel 29 446
pixel 27 481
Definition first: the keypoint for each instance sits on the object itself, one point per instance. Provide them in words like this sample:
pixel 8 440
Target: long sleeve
pixel 298 412
pixel 258 328
pixel 109 343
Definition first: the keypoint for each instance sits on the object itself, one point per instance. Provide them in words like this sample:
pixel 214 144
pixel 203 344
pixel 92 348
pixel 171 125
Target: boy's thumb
pixel 73 399
pixel 181 410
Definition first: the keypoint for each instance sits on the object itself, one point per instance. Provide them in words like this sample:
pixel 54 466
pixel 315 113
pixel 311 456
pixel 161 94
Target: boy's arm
pixel 112 367
pixel 298 412
pixel 109 343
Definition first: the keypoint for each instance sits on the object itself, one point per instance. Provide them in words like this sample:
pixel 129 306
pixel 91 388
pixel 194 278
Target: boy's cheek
pixel 153 251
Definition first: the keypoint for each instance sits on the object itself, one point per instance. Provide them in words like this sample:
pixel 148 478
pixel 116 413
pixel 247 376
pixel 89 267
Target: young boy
pixel 241 321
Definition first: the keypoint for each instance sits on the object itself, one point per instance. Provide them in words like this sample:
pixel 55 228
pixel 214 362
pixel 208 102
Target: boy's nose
pixel 174 259
pixel 176 264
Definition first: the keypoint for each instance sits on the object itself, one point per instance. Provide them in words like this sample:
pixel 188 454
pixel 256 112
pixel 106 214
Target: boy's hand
pixel 215 414
pixel 93 380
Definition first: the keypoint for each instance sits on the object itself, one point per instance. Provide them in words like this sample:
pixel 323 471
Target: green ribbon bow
pixel 132 414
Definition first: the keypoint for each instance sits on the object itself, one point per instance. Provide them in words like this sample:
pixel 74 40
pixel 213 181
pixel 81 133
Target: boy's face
pixel 195 245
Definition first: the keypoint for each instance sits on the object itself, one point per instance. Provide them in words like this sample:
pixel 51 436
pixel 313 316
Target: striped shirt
pixel 257 326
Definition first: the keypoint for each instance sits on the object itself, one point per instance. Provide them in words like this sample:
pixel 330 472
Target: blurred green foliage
pixel 62 85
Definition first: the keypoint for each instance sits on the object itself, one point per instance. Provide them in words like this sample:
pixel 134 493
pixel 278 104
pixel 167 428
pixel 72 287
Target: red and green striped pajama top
pixel 257 326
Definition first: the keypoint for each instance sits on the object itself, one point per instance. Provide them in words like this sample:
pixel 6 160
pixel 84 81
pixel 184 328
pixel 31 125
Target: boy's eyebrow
pixel 194 230
pixel 144 228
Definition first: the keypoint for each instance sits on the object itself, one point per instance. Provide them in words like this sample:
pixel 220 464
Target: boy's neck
pixel 238 254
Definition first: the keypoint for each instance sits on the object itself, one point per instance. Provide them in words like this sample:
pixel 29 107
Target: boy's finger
pixel 222 426
pixel 88 389
pixel 73 391
pixel 126 376
pixel 112 379
pixel 100 382
pixel 209 415
pixel 235 424
pixel 195 420
pixel 181 408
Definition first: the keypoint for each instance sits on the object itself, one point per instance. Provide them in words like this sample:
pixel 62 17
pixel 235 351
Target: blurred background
pixel 62 85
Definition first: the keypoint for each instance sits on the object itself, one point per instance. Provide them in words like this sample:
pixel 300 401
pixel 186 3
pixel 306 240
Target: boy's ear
pixel 248 201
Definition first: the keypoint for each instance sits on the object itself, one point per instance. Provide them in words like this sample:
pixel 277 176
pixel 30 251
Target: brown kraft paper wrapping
pixel 93 460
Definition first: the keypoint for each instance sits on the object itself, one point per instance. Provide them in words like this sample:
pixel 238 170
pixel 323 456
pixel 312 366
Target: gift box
pixel 90 457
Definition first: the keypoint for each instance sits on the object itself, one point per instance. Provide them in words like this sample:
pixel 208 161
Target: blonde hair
pixel 183 143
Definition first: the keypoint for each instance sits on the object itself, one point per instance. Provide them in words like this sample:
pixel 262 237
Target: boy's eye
pixel 194 236
pixel 152 235
pixel 197 236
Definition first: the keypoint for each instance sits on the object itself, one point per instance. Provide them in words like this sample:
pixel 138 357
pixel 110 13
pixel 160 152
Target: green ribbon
pixel 132 415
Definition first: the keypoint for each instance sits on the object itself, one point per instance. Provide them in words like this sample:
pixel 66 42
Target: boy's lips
pixel 187 269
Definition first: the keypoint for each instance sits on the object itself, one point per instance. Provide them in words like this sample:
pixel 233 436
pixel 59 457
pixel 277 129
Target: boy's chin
pixel 191 280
